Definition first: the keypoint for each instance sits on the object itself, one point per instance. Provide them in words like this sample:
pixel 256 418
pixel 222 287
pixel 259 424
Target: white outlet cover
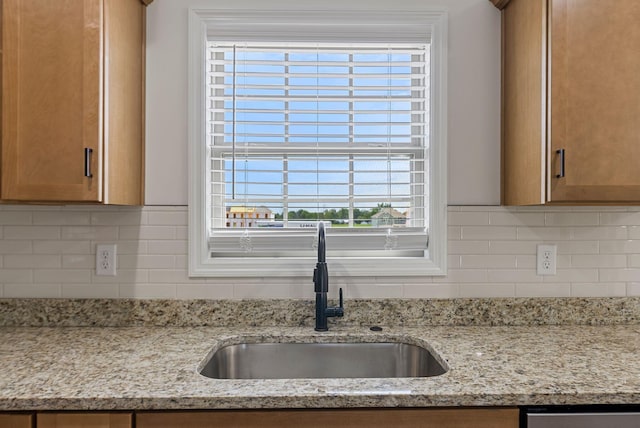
pixel 106 259
pixel 546 259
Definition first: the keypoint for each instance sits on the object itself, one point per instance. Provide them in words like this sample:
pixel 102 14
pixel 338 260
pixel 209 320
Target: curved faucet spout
pixel 321 243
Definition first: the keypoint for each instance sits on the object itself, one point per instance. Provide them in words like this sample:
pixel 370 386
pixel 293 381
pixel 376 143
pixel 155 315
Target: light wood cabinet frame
pixel 343 418
pixel 84 420
pixel 73 80
pixel 569 102
pixel 16 420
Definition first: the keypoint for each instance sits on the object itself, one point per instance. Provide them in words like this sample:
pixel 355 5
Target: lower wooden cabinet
pixel 321 418
pixel 357 418
pixel 11 420
pixel 83 420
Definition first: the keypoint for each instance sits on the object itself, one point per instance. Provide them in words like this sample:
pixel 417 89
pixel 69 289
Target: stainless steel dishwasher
pixel 581 417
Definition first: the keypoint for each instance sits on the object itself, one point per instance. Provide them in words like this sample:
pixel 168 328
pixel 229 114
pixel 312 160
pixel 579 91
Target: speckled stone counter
pixel 300 313
pixel 85 368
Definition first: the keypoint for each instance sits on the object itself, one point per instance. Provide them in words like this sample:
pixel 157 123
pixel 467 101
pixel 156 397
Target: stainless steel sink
pixel 321 360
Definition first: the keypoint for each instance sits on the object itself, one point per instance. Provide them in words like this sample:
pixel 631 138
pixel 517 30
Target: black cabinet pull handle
pixel 561 153
pixel 87 162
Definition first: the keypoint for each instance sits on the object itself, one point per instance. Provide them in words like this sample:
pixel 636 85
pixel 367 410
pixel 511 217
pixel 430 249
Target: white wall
pixel 474 93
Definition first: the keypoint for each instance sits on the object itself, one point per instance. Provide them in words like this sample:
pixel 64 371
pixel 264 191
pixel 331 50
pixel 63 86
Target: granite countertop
pixel 97 368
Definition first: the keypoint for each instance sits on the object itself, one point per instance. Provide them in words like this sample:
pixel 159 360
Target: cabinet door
pixel 16 421
pixel 595 100
pixel 396 418
pixel 84 420
pixel 524 44
pixel 52 89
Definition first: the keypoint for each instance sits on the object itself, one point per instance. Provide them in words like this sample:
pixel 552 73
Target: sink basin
pixel 321 360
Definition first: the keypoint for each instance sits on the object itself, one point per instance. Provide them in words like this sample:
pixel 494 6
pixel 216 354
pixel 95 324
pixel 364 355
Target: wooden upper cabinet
pixel 571 87
pixel 72 101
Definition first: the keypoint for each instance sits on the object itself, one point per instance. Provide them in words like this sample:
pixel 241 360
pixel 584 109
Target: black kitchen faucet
pixel 321 286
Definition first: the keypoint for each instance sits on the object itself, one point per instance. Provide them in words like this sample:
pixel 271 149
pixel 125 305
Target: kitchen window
pixel 305 117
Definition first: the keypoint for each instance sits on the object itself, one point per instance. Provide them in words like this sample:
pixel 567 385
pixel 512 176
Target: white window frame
pixel 201 23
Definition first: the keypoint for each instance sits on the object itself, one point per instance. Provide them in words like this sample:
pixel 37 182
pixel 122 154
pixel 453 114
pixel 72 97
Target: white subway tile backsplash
pixel 488 232
pixel 49 251
pixel 177 247
pixel 512 247
pixel 598 289
pixel 599 233
pixel 75 218
pixel 29 260
pixel 61 247
pixel 513 275
pixel 62 276
pixel 469 218
pixel 633 289
pixel 527 262
pixel 487 290
pixel 548 234
pixel 89 291
pixel 620 218
pixel 462 275
pixel 431 291
pixel 132 276
pixel 167 218
pixel 147 232
pixel 454 233
pixel 127 247
pixel 147 291
pixel 453 261
pixel 571 219
pixel 377 291
pixel 101 233
pixel 556 289
pixel 16 218
pixel 633 261
pixel 573 275
pixel 31 232
pixel 79 261
pixel 599 260
pixel 15 247
pixel 623 246
pixel 171 276
pixel 469 261
pixel 182 232
pixel 619 275
pixel 578 247
pixel 513 218
pixel 145 261
pixel 205 291
pixel 128 217
pixel 21 276
pixel 35 291
pixel 260 291
pixel 468 247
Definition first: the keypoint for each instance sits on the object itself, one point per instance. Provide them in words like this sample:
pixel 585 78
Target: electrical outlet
pixel 106 259
pixel 546 259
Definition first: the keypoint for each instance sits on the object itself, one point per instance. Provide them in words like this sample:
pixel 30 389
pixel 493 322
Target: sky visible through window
pixel 336 133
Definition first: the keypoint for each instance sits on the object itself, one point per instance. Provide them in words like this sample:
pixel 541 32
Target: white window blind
pixel 304 132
